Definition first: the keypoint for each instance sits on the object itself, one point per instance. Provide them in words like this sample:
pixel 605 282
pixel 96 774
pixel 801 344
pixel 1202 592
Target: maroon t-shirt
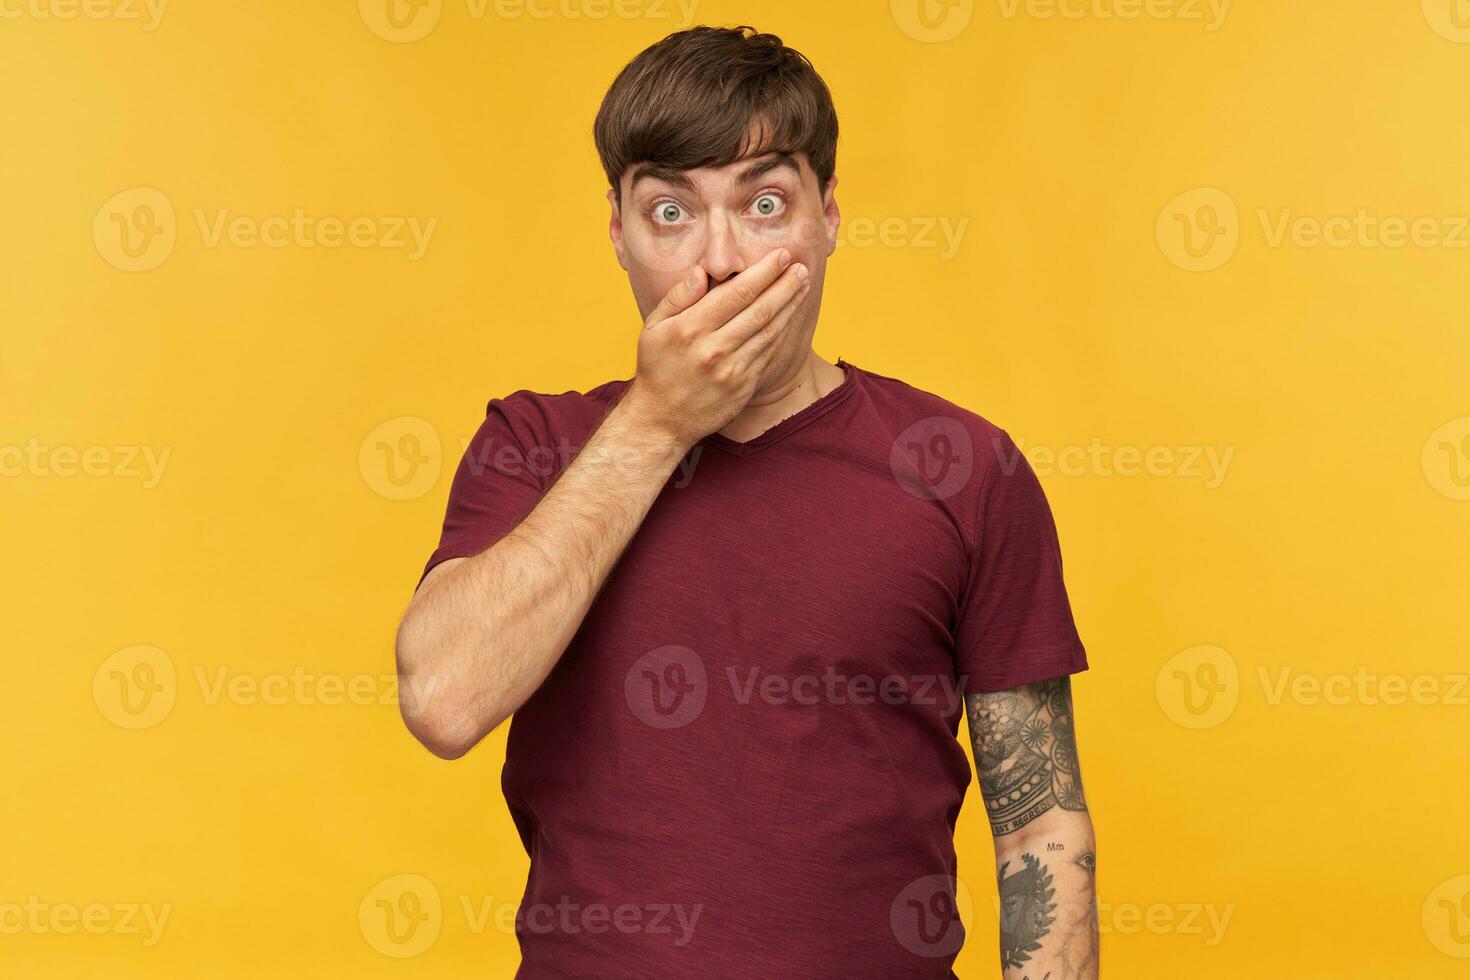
pixel 746 764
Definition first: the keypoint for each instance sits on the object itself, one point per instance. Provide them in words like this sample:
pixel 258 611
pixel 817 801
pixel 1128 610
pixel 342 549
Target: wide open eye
pixel 667 212
pixel 768 204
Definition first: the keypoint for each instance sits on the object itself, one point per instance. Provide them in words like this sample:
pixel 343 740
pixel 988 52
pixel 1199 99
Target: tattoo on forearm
pixel 1026 909
pixel 1026 752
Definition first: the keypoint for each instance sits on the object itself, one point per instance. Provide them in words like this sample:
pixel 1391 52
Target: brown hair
pixel 692 99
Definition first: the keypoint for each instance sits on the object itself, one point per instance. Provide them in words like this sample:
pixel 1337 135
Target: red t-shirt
pixel 745 764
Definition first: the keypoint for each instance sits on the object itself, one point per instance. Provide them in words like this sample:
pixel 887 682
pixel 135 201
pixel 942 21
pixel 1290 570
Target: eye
pixel 768 204
pixel 667 212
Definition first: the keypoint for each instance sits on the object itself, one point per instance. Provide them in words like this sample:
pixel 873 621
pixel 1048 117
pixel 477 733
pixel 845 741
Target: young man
pixel 735 602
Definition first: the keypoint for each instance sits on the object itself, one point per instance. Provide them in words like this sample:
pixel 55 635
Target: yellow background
pixel 1333 833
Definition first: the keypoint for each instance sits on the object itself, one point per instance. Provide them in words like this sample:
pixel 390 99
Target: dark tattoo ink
pixel 1025 910
pixel 1026 752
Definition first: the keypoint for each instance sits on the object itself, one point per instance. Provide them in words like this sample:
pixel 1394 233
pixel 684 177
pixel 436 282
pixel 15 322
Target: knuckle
pixel 745 294
pixel 768 309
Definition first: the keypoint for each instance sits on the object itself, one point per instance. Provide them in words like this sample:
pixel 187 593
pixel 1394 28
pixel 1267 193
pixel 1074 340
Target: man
pixel 735 602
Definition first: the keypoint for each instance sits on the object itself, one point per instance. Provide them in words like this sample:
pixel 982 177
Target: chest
pixel 789 569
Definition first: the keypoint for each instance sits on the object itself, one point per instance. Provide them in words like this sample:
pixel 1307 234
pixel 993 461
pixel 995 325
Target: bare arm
pixel 482 633
pixel 1045 852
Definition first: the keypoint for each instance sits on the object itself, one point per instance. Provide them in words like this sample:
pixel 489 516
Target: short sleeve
pixel 500 479
pixel 1015 622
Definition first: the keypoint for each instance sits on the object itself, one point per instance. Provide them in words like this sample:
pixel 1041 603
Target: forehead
pixel 647 176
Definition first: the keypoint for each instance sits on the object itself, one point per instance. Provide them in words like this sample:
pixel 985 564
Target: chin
pixel 778 371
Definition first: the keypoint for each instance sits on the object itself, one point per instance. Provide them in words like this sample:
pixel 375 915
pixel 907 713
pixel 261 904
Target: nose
pixel 723 255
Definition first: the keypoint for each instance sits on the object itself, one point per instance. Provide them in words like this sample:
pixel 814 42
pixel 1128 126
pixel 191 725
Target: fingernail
pixel 785 258
pixel 802 272
pixel 693 279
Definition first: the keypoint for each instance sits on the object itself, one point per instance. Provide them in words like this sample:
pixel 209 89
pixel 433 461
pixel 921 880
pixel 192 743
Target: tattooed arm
pixel 1030 779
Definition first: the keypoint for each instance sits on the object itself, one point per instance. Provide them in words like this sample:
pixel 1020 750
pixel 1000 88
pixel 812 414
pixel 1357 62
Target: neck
pixel 808 379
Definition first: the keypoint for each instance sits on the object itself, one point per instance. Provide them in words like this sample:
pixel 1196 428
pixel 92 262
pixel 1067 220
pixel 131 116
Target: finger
pixel 748 323
pixel 756 352
pixel 730 297
pixel 684 294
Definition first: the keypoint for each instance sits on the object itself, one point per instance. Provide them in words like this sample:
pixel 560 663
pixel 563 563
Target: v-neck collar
pixel 791 423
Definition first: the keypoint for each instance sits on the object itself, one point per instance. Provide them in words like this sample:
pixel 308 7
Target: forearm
pixel 1046 875
pixel 1031 780
pixel 478 640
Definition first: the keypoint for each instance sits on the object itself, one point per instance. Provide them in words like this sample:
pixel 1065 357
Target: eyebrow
pixel 678 178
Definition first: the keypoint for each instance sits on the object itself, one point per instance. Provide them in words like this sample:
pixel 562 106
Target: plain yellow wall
pixel 1256 441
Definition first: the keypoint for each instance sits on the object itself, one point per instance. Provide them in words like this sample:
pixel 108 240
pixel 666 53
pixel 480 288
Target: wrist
pixel 638 418
pixel 636 444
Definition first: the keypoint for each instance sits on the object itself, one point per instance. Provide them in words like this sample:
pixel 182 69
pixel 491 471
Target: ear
pixel 615 227
pixel 831 214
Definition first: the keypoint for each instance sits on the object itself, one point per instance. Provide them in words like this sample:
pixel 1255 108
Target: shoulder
pixel 534 434
pixel 540 416
pixel 921 420
pixel 954 458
